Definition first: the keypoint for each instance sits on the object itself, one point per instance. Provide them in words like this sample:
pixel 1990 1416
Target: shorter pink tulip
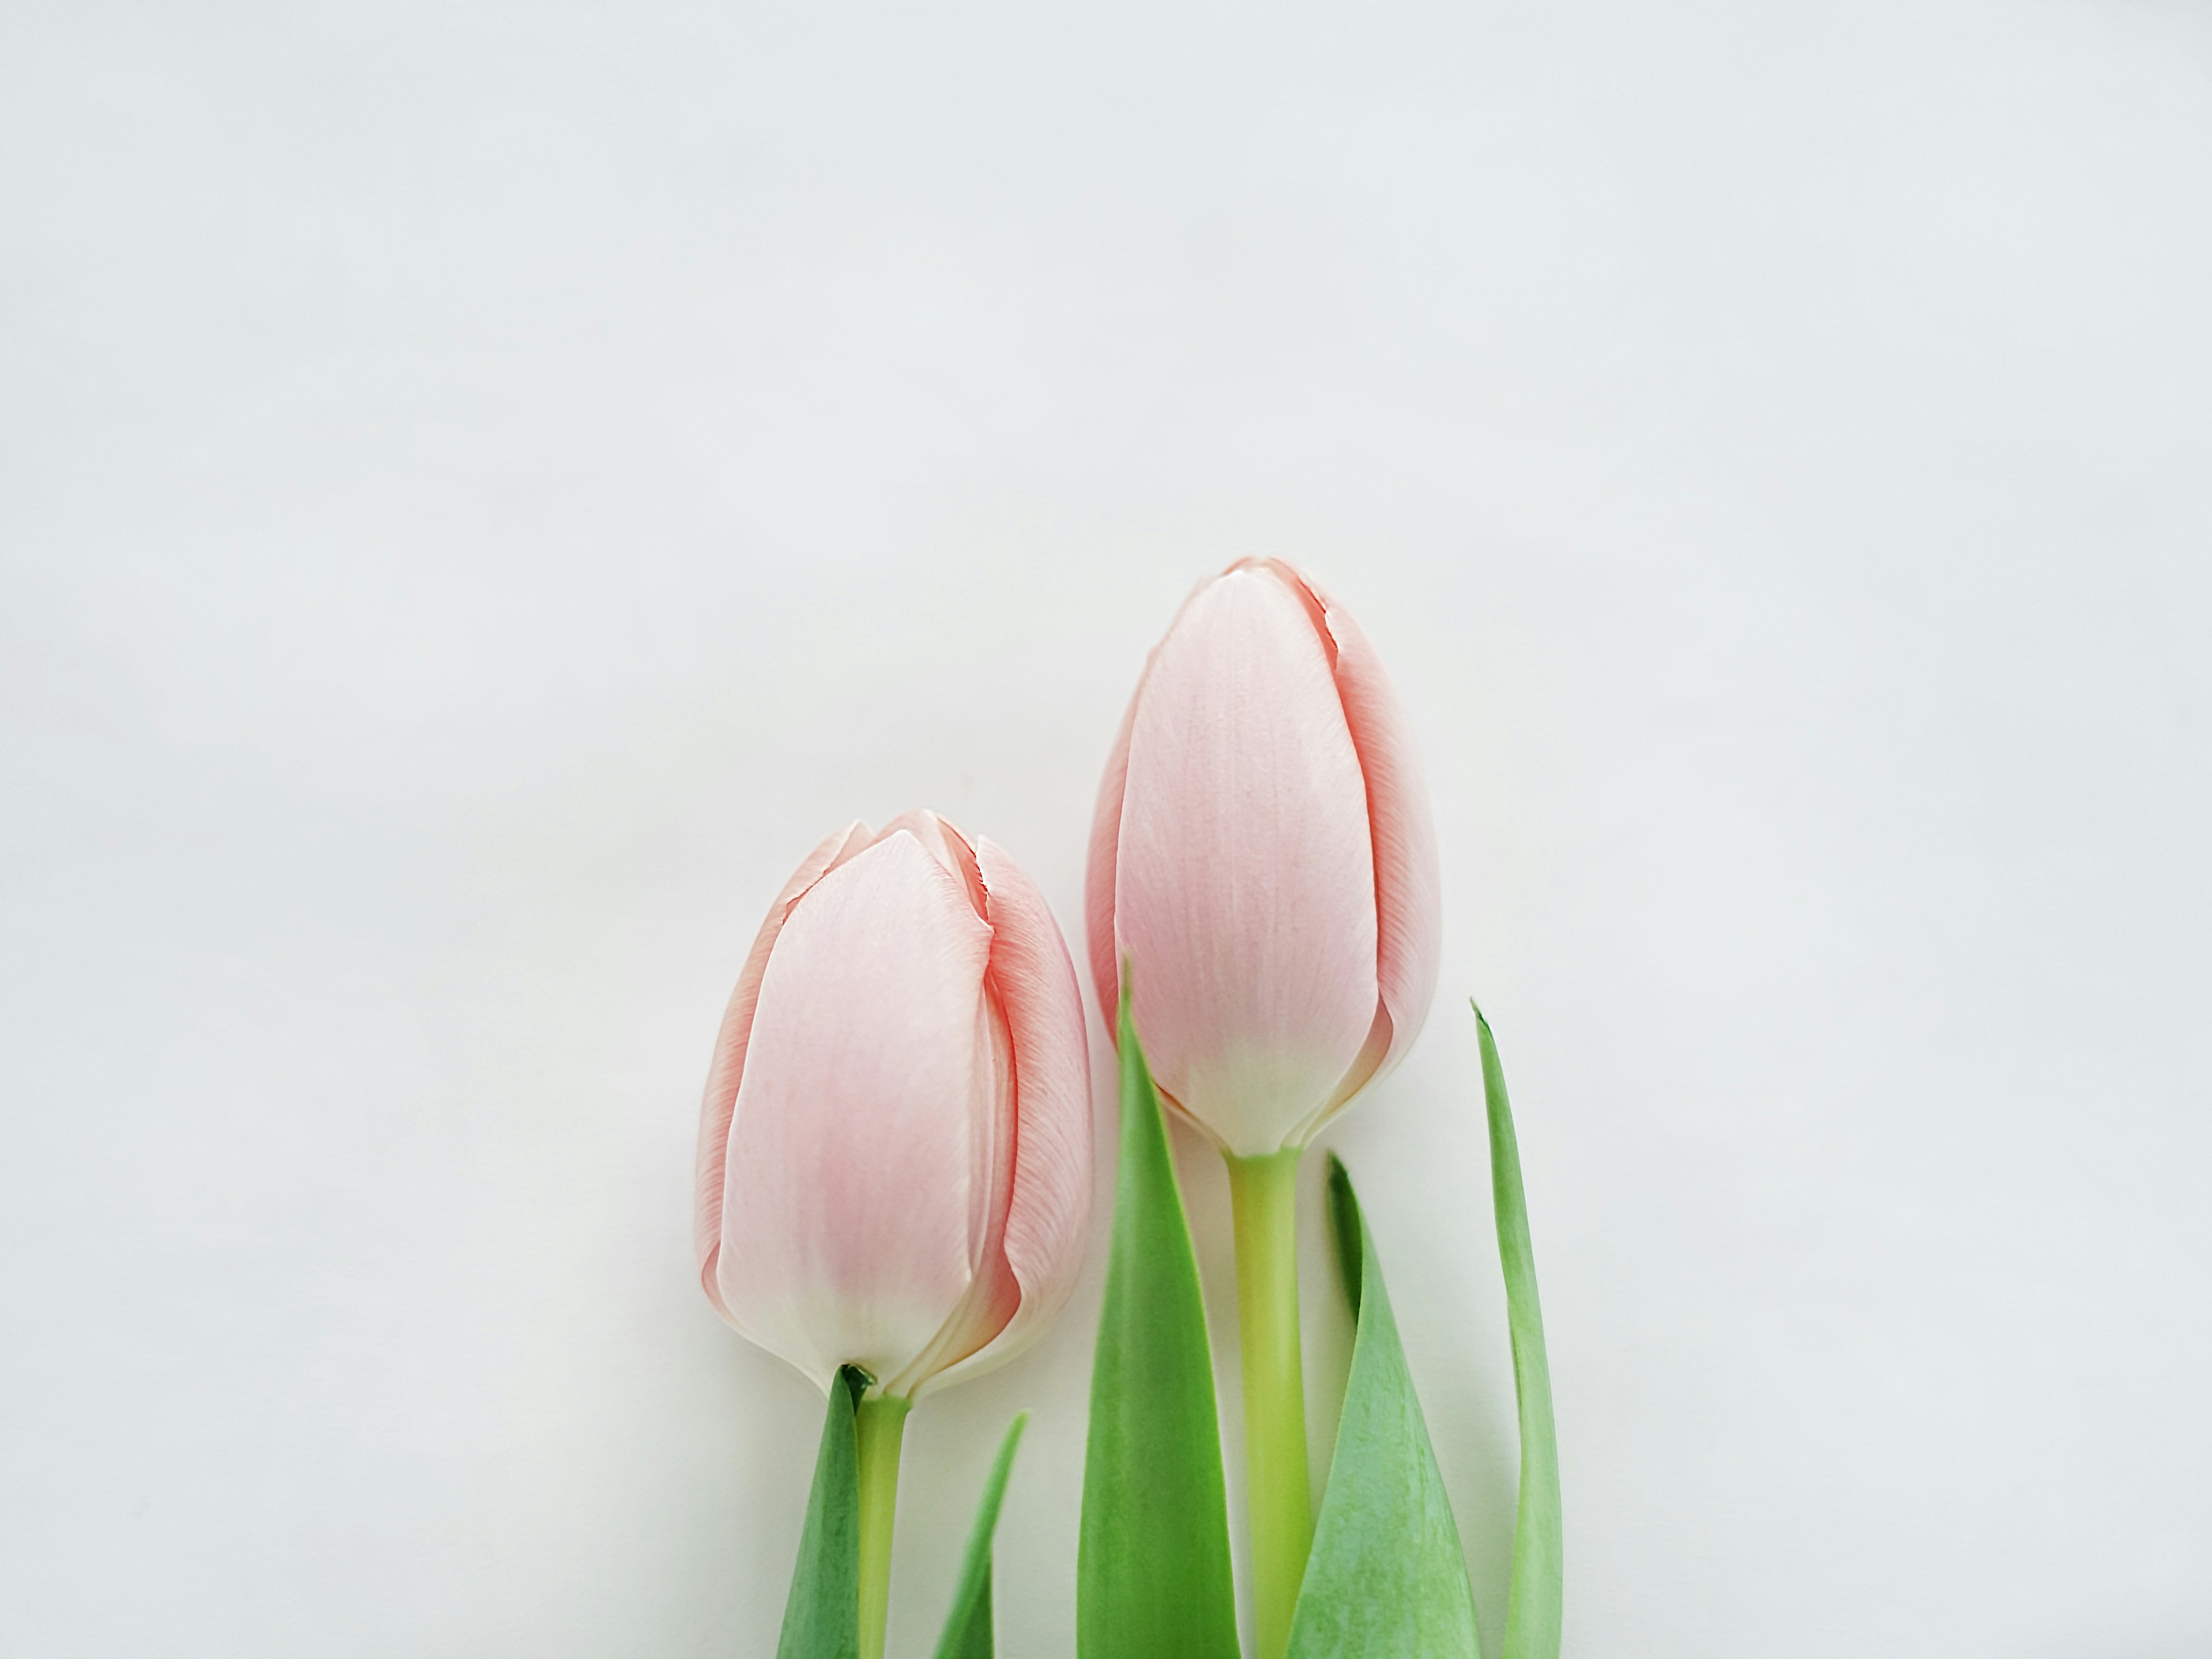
pixel 895 1144
pixel 1264 857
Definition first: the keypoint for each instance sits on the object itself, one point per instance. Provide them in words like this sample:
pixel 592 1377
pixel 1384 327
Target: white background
pixel 483 488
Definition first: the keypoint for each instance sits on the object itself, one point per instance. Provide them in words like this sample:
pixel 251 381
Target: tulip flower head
pixel 1264 857
pixel 895 1144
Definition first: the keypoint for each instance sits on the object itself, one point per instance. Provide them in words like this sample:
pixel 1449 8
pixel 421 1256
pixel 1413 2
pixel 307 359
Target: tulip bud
pixel 895 1144
pixel 1264 857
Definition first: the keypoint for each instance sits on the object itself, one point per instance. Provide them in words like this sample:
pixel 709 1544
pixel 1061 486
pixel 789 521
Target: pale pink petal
pixel 1099 873
pixel 993 1293
pixel 846 1230
pixel 1409 934
pixel 1034 981
pixel 944 844
pixel 729 1062
pixel 1244 894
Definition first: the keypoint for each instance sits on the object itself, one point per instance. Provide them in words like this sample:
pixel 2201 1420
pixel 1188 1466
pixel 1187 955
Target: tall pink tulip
pixel 895 1144
pixel 1263 854
pixel 1264 859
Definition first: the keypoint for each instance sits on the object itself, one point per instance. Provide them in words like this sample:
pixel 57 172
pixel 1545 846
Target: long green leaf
pixel 1152 1579
pixel 968 1630
pixel 1387 1577
pixel 822 1614
pixel 1532 1616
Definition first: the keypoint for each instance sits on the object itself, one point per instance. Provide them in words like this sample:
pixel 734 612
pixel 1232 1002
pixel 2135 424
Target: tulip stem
pixel 880 1425
pixel 1263 1193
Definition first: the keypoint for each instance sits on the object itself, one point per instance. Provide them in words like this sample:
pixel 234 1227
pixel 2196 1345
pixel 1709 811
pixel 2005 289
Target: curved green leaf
pixel 1387 1577
pixel 1532 1616
pixel 968 1632
pixel 822 1614
pixel 1152 1571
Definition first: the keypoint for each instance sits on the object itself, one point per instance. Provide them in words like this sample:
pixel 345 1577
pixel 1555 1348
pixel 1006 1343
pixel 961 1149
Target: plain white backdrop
pixel 483 488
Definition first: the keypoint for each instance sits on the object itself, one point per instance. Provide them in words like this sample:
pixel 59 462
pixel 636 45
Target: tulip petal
pixel 728 1065
pixel 944 844
pixel 993 1293
pixel 1407 889
pixel 1244 867
pixel 846 1225
pixel 1047 1219
pixel 1100 874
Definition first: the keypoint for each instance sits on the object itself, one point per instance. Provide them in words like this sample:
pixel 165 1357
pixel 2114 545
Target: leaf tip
pixel 1346 1224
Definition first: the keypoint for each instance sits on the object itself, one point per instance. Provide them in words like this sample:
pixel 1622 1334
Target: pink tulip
pixel 1263 860
pixel 1263 856
pixel 895 1146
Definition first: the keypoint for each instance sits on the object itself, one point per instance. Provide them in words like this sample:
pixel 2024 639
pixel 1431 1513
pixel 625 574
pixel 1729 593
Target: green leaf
pixel 822 1614
pixel 1532 1617
pixel 1152 1571
pixel 968 1632
pixel 1387 1577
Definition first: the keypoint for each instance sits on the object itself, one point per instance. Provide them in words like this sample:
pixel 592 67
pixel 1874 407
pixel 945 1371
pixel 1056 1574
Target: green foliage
pixel 822 1614
pixel 968 1632
pixel 1532 1619
pixel 1152 1576
pixel 1387 1577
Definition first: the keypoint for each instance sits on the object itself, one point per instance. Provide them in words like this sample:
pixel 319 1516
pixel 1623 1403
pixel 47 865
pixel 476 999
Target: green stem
pixel 880 1425
pixel 1263 1193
